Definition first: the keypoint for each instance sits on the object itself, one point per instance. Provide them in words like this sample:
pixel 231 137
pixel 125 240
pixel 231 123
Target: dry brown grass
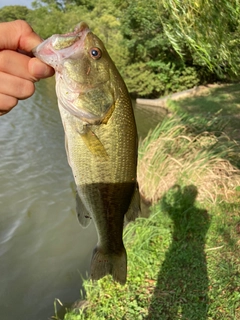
pixel 171 154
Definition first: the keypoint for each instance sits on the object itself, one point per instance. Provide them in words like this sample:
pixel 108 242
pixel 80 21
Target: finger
pixel 7 103
pixel 15 63
pixel 19 36
pixel 15 86
pixel 39 70
pixel 22 66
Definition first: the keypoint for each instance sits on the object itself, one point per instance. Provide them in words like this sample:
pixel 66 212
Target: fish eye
pixel 95 53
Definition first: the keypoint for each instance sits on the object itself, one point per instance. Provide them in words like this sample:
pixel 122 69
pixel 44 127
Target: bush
pixel 156 79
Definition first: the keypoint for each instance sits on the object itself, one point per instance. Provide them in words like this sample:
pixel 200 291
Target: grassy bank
pixel 183 264
pixel 221 103
pixel 183 261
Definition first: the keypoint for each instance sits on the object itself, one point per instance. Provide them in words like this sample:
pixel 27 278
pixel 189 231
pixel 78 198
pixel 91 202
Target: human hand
pixel 18 70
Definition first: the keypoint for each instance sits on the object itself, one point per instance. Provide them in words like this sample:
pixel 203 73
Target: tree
pixel 10 13
pixel 210 30
pixel 197 41
pixel 154 67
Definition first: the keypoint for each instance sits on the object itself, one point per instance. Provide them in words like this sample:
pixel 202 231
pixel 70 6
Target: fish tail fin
pixel 114 264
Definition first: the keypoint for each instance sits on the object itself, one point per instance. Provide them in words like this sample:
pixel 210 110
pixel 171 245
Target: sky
pixel 26 3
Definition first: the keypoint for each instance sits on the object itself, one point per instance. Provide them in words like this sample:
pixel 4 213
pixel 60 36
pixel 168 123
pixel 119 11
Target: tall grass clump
pixel 179 152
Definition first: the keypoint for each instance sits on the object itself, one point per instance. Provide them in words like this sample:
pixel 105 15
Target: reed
pixel 174 153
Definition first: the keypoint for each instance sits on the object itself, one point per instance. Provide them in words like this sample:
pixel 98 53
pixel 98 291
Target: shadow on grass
pixel 182 286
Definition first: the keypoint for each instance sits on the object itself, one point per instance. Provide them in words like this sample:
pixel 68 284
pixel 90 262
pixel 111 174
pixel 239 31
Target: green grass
pixel 183 264
pixel 222 101
pixel 183 261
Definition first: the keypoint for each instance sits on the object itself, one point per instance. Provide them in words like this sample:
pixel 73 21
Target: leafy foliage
pixel 9 13
pixel 168 78
pixel 208 28
pixel 200 35
pixel 159 46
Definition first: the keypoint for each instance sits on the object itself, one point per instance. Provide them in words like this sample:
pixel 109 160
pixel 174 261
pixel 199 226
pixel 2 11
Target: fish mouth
pixel 61 46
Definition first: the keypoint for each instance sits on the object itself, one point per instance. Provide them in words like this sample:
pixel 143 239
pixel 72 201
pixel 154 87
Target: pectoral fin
pixel 134 208
pixel 83 216
pixel 93 143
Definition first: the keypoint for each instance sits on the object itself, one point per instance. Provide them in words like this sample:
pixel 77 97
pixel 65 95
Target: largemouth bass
pixel 100 140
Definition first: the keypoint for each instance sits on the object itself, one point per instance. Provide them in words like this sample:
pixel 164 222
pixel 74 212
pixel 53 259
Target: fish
pixel 100 139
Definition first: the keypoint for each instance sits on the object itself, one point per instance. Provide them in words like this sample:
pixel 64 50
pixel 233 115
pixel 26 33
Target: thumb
pixel 39 69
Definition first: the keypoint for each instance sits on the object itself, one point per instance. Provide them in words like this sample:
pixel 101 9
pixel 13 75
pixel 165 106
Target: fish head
pixel 84 72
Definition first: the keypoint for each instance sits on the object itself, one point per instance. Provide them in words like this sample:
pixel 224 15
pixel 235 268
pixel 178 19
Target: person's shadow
pixel 181 291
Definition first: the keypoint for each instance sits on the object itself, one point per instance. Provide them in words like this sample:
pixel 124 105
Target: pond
pixel 44 252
